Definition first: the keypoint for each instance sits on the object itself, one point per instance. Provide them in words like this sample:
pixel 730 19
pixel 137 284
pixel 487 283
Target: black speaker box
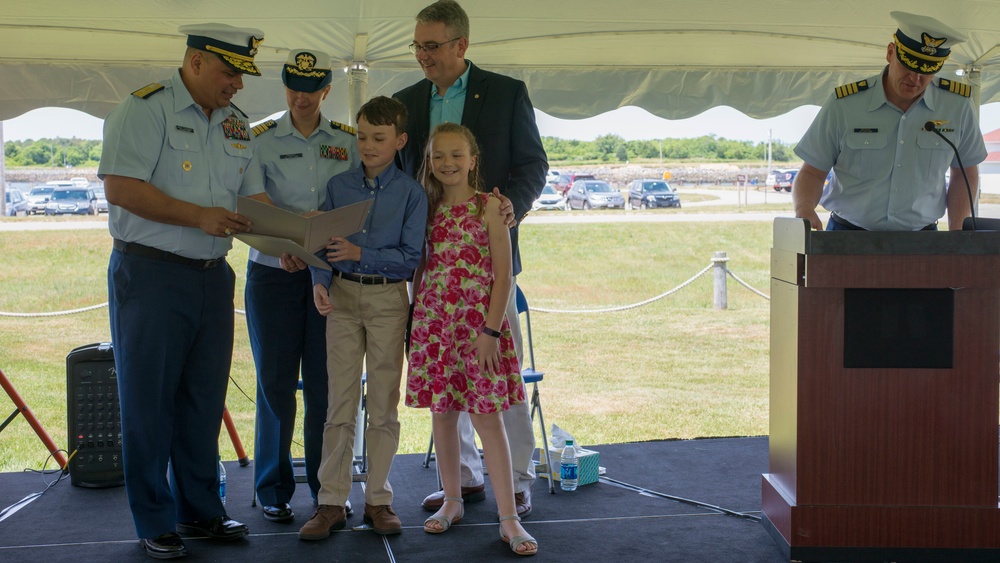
pixel 94 418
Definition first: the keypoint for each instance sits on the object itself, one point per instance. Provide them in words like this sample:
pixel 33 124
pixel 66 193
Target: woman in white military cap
pixel 176 155
pixel 298 153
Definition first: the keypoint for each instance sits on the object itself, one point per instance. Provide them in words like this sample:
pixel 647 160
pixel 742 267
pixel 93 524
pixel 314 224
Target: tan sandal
pixel 517 541
pixel 444 521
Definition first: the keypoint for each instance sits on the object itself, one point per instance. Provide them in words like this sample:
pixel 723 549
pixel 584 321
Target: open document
pixel 275 231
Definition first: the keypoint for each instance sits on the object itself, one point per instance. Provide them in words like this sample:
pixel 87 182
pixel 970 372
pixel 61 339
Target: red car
pixel 564 181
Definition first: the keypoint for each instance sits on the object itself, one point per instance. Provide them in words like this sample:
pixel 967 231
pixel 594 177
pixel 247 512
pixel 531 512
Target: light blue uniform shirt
pixel 449 108
pixel 888 171
pixel 392 238
pixel 295 169
pixel 166 140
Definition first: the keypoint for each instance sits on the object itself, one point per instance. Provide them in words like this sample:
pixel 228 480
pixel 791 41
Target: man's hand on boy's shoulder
pixel 506 208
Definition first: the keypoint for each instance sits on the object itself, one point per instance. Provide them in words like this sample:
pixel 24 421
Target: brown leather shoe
pixel 522 501
pixel 382 519
pixel 434 501
pixel 327 518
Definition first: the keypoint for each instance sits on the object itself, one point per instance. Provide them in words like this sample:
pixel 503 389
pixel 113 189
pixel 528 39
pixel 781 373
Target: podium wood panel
pixel 881 458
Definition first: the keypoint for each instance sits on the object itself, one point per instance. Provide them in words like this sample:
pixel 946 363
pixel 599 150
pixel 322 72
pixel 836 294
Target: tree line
pixel 58 152
pixel 52 153
pixel 612 148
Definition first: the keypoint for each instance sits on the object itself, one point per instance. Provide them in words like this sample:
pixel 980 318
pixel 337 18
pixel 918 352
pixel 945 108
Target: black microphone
pixel 930 127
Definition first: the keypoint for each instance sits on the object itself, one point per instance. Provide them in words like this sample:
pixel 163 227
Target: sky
pixel 630 123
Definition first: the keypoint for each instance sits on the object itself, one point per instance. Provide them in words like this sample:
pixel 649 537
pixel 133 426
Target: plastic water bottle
pixel 222 481
pixel 569 468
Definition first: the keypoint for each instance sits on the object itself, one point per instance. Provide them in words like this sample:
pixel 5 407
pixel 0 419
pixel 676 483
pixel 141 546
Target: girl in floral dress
pixel 461 353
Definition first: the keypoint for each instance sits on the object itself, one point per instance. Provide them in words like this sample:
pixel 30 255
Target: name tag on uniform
pixel 866 130
pixel 185 129
pixel 296 155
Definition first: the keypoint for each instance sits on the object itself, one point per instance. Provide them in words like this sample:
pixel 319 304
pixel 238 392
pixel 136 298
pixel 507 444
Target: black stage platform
pixel 625 517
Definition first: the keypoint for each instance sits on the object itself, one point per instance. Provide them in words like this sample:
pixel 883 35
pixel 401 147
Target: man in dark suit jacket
pixel 497 110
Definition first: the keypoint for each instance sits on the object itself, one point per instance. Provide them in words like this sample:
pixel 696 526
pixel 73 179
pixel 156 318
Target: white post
pixel 768 171
pixel 3 174
pixel 720 299
pixel 357 86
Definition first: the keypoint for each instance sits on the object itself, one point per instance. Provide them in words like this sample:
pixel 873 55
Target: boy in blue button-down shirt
pixel 366 304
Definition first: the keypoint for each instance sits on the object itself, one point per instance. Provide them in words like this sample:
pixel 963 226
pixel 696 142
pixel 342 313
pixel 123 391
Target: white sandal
pixel 517 541
pixel 444 521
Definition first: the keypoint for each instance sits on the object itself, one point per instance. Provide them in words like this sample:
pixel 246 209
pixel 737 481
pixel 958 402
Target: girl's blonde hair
pixel 434 189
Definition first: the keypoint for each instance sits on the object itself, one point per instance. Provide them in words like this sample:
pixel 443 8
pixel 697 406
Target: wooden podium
pixel 885 349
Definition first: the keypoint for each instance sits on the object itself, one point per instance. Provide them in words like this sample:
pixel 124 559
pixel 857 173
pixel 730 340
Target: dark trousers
pixel 287 335
pixel 172 331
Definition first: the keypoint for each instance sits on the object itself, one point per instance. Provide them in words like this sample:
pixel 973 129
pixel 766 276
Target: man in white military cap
pixel 176 155
pixel 888 169
pixel 298 153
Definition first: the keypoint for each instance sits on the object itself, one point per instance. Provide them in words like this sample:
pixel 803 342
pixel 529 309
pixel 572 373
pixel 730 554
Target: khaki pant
pixel 363 333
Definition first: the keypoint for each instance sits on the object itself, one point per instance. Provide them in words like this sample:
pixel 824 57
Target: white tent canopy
pixel 581 58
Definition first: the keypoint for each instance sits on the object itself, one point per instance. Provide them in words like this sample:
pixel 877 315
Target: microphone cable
pixel 929 126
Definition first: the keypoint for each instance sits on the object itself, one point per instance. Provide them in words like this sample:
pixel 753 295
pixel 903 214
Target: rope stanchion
pixel 54 313
pixel 714 263
pixel 632 306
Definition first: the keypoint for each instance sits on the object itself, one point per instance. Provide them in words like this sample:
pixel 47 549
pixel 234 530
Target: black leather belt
pixel 364 280
pixel 851 226
pixel 136 249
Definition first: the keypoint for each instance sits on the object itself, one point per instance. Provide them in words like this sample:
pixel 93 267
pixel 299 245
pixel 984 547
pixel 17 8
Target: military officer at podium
pixel 176 155
pixel 297 153
pixel 888 170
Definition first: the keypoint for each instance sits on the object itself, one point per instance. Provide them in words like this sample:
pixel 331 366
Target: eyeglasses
pixel 429 48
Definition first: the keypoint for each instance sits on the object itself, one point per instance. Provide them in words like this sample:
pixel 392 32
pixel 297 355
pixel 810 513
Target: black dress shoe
pixel 279 512
pixel 220 528
pixel 164 546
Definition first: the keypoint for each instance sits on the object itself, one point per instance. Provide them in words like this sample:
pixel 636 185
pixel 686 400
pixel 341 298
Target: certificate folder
pixel 275 231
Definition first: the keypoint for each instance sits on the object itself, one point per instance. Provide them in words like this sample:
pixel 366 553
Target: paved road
pixel 720 197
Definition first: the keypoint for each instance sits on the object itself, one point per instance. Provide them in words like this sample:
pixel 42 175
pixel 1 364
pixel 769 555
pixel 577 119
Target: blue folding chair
pixel 530 375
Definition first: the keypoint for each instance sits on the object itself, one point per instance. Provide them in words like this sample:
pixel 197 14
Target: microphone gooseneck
pixel 929 126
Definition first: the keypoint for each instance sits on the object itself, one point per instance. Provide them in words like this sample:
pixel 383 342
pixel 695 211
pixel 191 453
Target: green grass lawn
pixel 674 368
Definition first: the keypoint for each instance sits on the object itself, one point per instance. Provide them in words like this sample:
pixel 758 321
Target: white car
pixel 552 176
pixel 550 199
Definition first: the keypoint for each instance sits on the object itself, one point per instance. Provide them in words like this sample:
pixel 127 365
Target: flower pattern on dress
pixel 449 310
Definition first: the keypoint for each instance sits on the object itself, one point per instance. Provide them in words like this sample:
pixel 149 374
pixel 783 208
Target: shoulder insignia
pixel 343 127
pixel 960 88
pixel 261 127
pixel 852 88
pixel 148 90
pixel 232 105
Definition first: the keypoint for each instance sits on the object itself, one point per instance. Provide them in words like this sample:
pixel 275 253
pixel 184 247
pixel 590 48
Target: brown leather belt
pixel 364 280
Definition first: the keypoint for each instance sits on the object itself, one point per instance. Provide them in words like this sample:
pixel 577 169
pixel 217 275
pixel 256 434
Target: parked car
pixel 17 205
pixel 102 201
pixel 590 194
pixel 38 198
pixel 80 182
pixel 74 201
pixel 552 176
pixel 550 199
pixel 652 194
pixel 566 180
pixel 782 179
